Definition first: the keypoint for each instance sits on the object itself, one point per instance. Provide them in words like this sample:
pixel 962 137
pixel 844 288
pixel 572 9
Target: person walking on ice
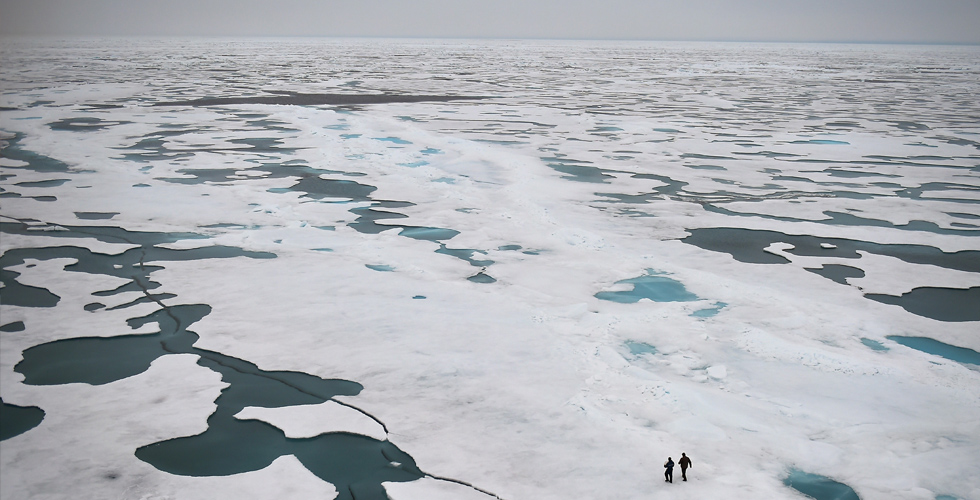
pixel 669 473
pixel 684 462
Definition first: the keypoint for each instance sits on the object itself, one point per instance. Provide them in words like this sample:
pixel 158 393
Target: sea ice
pixel 802 207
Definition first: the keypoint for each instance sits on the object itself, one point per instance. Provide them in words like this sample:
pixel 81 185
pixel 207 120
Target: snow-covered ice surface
pixel 611 253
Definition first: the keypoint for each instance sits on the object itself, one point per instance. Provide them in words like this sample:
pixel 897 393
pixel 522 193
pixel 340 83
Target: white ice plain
pixel 586 165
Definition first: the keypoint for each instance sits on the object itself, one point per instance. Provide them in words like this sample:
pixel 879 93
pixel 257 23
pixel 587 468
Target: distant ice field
pixel 407 269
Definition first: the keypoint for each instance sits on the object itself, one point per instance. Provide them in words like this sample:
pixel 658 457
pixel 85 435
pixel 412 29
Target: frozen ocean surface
pixel 369 269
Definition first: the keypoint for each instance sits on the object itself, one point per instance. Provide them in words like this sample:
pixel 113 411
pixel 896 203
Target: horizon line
pixel 492 38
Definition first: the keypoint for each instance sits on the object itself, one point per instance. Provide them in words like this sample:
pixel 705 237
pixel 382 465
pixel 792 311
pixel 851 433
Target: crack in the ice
pixel 143 282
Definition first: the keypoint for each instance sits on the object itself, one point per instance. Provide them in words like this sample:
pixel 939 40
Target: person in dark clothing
pixel 669 473
pixel 684 462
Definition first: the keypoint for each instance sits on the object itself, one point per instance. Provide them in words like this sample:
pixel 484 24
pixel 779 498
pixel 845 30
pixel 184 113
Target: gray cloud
pixel 932 21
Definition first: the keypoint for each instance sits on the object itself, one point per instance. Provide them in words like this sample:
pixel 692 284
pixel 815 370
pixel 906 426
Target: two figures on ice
pixel 684 462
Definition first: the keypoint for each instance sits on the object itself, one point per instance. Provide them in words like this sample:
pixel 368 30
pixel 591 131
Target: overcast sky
pixel 923 21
